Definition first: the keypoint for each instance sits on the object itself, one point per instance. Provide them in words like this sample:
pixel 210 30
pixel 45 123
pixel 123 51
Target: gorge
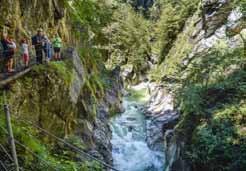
pixel 143 85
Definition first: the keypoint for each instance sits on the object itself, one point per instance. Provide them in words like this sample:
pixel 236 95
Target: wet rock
pixel 161 117
pixel 215 13
pixel 79 74
pixel 127 71
pixel 131 119
pixel 130 128
pixel 19 17
pixel 173 150
pixel 157 127
pixel 102 137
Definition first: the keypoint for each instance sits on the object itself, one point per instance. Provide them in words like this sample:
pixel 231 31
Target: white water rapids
pixel 130 151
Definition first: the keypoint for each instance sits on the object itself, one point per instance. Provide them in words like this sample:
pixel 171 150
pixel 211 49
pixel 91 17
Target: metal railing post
pixel 11 135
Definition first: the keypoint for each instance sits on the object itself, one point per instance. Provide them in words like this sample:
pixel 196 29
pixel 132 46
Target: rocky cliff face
pixel 64 103
pixel 217 20
pixel 22 18
pixel 161 115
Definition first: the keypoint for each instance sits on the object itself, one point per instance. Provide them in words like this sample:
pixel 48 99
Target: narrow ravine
pixel 130 151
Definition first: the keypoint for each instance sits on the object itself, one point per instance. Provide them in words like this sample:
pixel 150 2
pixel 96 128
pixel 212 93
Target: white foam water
pixel 129 148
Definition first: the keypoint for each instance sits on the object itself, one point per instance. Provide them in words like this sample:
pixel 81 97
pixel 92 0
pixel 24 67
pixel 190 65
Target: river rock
pixel 215 12
pixel 173 152
pixel 102 136
pixel 161 117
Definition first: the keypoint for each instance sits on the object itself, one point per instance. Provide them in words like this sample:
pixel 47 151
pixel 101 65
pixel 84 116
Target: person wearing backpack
pixel 5 53
pixel 9 48
pixel 57 45
pixel 38 43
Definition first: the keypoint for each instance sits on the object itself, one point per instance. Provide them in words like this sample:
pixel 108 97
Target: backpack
pixel 34 40
pixel 1 50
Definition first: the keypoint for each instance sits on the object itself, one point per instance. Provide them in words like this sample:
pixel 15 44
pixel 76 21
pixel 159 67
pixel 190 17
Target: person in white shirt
pixel 12 48
pixel 25 52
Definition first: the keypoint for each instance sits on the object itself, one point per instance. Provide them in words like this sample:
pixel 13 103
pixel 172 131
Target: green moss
pixel 62 70
pixel 138 95
pixel 56 155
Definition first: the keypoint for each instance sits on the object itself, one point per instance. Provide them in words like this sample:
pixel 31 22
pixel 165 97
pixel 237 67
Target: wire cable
pixel 6 152
pixel 6 132
pixel 73 150
pixel 77 149
pixel 8 155
pixel 3 166
pixel 34 154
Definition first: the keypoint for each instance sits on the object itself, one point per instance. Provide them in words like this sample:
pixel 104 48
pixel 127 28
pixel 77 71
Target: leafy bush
pixel 219 144
pixel 212 100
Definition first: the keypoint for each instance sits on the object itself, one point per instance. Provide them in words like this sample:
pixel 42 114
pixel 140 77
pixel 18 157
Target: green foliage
pixel 135 39
pixel 48 159
pixel 88 20
pixel 173 17
pixel 171 67
pixel 220 143
pixel 62 69
pixel 211 66
pixel 129 39
pixel 212 103
pixel 242 5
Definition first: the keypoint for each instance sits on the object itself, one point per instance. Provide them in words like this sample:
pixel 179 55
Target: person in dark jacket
pixel 9 47
pixel 38 43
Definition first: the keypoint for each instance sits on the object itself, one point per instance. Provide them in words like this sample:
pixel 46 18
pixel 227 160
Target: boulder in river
pixel 161 117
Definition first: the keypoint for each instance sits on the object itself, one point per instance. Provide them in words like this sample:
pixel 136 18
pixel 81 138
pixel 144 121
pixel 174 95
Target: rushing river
pixel 130 151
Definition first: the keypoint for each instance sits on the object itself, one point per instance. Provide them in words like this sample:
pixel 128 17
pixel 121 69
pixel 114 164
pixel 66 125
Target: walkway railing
pixel 18 65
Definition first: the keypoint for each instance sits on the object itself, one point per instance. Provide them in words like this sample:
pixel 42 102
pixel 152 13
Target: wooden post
pixel 11 136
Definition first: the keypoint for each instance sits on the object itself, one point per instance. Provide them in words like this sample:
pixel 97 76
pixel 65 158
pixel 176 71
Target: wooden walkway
pixel 8 78
pixel 20 70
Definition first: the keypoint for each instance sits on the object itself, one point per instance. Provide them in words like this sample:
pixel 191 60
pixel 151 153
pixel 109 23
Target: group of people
pixel 41 43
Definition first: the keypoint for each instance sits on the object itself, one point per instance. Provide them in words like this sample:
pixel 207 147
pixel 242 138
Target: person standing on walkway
pixel 25 52
pixel 12 49
pixel 38 43
pixel 5 41
pixel 47 48
pixel 57 45
pixel 9 47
